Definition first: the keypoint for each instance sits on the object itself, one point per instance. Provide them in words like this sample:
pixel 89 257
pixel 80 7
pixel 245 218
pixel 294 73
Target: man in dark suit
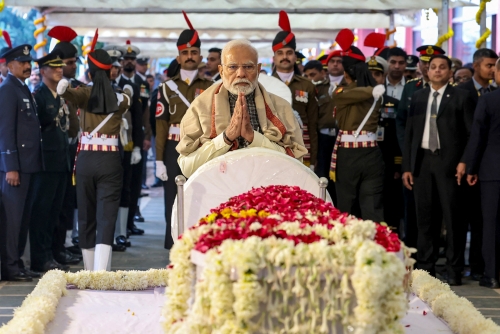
pixel 483 158
pixel 470 197
pixel 20 157
pixel 434 163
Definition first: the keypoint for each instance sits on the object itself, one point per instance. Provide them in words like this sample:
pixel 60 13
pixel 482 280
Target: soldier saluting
pixel 174 98
pixel 98 166
pixel 20 157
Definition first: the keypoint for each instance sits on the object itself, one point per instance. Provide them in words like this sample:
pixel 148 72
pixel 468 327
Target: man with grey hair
pixel 239 113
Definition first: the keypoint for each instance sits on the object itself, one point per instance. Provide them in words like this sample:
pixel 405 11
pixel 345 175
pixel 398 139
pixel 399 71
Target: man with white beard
pixel 238 113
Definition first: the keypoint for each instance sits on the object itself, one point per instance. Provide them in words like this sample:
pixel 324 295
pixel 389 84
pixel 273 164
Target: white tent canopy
pixel 154 25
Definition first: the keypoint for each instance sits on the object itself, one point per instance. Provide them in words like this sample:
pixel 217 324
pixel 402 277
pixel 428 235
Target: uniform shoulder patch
pixel 160 109
pixel 339 90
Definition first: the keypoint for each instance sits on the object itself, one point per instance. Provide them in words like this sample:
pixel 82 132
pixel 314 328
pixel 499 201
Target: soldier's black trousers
pixel 170 188
pixel 490 203
pixel 360 182
pixel 135 192
pixel 13 222
pixel 45 202
pixel 98 187
pixel 127 180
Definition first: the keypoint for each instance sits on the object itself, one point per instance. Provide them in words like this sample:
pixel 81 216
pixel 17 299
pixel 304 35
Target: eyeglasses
pixel 247 68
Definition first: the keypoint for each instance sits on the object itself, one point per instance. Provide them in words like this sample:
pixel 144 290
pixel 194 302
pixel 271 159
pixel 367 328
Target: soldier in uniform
pixel 99 173
pixel 20 158
pixel 49 186
pixel 327 126
pixel 300 57
pixel 129 64
pixel 4 70
pixel 130 139
pixel 425 51
pixel 303 91
pixel 68 217
pixel 170 109
pixel 411 67
pixel 357 163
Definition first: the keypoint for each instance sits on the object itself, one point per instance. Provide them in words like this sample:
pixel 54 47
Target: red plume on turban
pixel 62 33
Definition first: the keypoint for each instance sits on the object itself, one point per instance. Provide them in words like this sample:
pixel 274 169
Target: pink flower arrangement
pixel 271 206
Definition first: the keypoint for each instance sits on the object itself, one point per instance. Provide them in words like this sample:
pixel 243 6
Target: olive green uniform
pixel 170 110
pixel 359 169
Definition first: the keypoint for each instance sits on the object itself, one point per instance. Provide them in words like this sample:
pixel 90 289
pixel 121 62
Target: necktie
pixel 433 131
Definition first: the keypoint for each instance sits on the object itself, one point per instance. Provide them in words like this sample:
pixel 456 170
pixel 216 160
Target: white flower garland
pixel 308 287
pixel 462 317
pixel 39 307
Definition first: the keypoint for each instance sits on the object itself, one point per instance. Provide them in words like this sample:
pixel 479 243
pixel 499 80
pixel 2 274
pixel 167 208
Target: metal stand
pixel 180 180
pixel 323 183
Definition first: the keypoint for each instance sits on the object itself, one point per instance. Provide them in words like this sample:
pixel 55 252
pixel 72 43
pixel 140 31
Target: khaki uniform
pixel 170 110
pixel 359 170
pixel 305 103
pixel 98 172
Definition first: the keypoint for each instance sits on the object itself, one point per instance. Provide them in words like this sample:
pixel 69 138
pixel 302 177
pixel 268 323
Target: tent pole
pixel 443 23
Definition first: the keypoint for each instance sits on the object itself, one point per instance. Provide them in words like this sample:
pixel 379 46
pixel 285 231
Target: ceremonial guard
pixel 303 91
pixel 357 164
pixel 68 217
pixel 129 64
pixel 131 137
pixel 412 86
pixel 4 70
pixel 327 126
pixel 49 186
pixel 99 173
pixel 174 98
pixel 20 158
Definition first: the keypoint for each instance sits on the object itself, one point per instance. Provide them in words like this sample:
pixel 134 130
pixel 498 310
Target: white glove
pixel 136 155
pixel 378 91
pixel 62 86
pixel 130 90
pixel 161 170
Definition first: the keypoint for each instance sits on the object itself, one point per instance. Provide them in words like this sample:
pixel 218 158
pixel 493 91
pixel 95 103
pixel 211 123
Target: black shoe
pixel 491 283
pixel 454 281
pixel 476 277
pixel 50 265
pixel 136 231
pixel 74 250
pixel 30 273
pixel 122 240
pixel 66 257
pixel 75 241
pixel 157 184
pixel 139 219
pixel 20 277
pixel 144 187
pixel 118 248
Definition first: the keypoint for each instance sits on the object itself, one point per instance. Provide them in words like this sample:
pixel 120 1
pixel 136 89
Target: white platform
pixel 89 312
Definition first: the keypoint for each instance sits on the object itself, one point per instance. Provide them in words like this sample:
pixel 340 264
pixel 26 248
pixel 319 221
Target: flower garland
pixel 459 313
pixel 280 258
pixel 39 307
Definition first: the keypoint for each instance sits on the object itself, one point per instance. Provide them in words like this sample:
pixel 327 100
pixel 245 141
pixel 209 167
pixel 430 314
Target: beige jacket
pixel 201 143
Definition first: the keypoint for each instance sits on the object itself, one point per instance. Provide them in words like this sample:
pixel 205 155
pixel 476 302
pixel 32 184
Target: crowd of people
pixel 409 140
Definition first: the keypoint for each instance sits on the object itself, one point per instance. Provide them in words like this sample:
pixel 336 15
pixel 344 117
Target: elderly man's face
pixel 240 70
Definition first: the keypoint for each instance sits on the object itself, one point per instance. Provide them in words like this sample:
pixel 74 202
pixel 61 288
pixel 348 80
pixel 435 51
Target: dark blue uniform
pixel 20 150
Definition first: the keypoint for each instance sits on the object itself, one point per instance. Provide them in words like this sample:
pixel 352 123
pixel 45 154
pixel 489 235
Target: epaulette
pixel 414 79
pixel 453 84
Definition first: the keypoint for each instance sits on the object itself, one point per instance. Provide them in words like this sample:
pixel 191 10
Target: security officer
pixel 129 64
pixel 170 109
pixel 20 158
pixel 68 216
pixel 99 173
pixel 49 186
pixel 303 91
pixel 411 67
pixel 327 126
pixel 411 86
pixel 131 137
pixel 357 163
